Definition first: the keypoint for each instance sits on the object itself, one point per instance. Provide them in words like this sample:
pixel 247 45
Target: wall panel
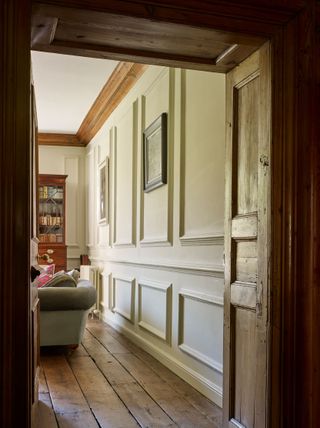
pixel 156 206
pixel 90 208
pixel 202 158
pixel 155 308
pixel 123 292
pixel 71 168
pixel 201 327
pixel 124 178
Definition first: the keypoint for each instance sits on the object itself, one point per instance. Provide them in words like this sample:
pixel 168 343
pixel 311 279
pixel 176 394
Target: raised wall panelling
pixel 103 217
pixel 103 191
pixel 202 158
pixel 214 271
pixel 108 284
pixel 155 308
pixel 156 207
pixel 201 327
pixel 105 291
pixel 124 161
pixel 123 297
pixel 159 260
pixel 90 205
pixel 96 195
pixel 71 167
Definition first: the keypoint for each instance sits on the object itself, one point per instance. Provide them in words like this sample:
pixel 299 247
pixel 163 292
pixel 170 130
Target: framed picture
pixel 155 154
pixel 103 179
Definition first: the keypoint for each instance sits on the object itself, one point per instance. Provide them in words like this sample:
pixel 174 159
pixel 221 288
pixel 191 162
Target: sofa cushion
pixel 75 274
pixel 61 280
pixel 45 276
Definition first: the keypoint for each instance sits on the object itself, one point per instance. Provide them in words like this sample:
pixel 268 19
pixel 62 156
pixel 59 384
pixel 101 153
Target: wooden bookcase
pixel 51 220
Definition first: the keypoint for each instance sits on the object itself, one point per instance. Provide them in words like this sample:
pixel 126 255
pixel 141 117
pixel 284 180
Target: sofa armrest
pixel 67 298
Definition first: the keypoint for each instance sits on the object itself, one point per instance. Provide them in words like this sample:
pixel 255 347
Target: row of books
pixel 49 220
pixel 51 237
pixel 50 192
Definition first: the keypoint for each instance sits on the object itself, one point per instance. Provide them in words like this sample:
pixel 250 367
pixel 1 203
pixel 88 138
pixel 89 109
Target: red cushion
pixel 45 276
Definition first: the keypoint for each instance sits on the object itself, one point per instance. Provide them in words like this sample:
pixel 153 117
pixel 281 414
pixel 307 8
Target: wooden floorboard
pixel 107 407
pixel 46 416
pixel 195 398
pixel 109 382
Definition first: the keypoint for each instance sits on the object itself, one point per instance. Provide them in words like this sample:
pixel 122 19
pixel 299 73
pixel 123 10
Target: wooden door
pixel 247 243
pixel 34 300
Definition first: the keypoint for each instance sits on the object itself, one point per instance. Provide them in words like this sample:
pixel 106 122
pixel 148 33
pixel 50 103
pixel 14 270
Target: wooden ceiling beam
pixel 123 78
pixel 43 29
pixel 56 139
pixel 260 18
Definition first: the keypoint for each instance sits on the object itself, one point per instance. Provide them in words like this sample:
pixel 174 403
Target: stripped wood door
pixel 34 300
pixel 247 242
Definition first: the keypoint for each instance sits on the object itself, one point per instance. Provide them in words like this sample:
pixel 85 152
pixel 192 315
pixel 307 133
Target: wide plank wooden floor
pixel 109 382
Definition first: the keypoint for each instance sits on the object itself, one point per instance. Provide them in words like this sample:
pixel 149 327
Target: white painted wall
pixel 70 161
pixel 161 253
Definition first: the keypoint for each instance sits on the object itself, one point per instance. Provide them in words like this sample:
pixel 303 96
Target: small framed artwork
pixel 155 154
pixel 103 177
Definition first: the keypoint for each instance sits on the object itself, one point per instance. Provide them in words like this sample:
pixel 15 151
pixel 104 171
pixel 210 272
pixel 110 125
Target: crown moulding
pixel 56 139
pixel 123 78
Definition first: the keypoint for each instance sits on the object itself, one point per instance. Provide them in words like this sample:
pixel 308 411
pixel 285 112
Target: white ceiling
pixel 66 87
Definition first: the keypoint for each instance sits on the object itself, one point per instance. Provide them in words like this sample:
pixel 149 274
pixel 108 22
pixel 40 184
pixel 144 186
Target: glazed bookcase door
pixel 247 246
pixel 51 212
pixel 51 220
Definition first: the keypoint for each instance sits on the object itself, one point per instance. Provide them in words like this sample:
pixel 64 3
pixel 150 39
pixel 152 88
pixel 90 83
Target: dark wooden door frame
pixel 295 294
pixel 15 228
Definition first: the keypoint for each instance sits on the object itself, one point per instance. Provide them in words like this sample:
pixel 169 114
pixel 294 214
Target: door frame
pixel 294 265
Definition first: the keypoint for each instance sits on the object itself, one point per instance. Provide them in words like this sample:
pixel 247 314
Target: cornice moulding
pixel 57 139
pixel 123 78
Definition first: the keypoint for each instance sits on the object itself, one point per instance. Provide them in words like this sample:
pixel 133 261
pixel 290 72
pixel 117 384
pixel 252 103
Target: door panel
pixel 246 115
pixel 247 244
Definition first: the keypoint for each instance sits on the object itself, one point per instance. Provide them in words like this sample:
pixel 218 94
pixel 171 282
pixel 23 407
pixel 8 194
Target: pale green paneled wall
pixel 160 254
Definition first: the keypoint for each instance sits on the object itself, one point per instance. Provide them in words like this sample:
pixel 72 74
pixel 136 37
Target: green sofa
pixel 64 312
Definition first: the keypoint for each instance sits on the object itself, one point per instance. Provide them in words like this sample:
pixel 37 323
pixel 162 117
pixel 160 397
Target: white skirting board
pixel 203 385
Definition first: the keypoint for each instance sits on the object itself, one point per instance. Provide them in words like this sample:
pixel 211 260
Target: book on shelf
pixel 47 192
pixel 48 220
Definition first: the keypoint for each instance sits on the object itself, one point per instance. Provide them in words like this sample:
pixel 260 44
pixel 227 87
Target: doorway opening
pixel 131 285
